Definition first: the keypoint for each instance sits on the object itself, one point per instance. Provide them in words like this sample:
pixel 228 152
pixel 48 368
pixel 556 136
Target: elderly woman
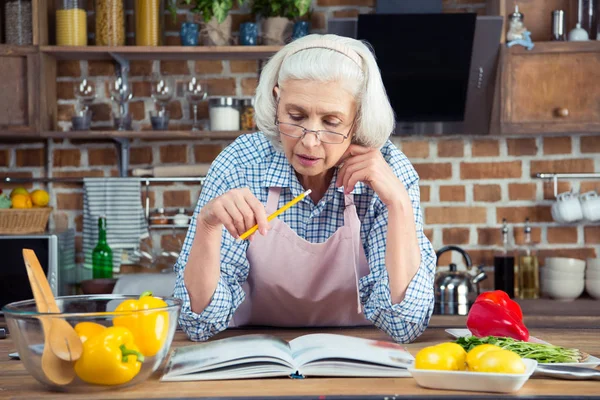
pixel 354 252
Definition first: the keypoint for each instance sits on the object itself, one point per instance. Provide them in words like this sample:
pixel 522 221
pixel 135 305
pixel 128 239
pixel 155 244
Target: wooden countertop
pixel 16 383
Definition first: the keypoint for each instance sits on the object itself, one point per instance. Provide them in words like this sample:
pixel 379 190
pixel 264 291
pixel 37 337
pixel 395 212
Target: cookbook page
pixel 312 348
pixel 229 352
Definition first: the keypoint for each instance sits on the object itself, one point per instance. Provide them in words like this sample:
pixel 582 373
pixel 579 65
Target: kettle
pixel 456 291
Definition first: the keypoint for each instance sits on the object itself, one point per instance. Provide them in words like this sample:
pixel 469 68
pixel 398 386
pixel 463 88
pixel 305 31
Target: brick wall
pixel 468 184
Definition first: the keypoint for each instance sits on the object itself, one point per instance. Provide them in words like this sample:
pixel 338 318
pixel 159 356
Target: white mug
pixel 590 206
pixel 568 207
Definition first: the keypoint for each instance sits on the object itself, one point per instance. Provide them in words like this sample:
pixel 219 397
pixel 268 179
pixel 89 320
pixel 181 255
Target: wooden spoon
pixel 63 339
pixel 58 371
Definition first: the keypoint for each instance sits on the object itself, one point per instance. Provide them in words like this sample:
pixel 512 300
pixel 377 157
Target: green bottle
pixel 102 257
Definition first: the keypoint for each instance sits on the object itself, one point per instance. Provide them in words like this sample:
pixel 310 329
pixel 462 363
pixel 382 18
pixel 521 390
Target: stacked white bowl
pixel 592 277
pixel 563 278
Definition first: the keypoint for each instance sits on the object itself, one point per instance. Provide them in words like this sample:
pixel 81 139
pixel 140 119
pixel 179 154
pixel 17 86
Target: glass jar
pixel 71 23
pixel 18 20
pixel 110 23
pixel 158 217
pixel 149 22
pixel 224 113
pixel 247 122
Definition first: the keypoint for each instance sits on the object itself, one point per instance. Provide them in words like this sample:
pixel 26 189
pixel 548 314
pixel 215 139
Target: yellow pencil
pixel 276 213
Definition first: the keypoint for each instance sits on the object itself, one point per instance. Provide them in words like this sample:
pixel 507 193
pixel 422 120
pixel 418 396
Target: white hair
pixel 375 118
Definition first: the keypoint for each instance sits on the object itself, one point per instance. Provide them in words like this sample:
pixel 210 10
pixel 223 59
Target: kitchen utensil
pixel 174 170
pixel 456 291
pixel 2 333
pixel 55 369
pixel 578 34
pixel 558 25
pixel 276 213
pixel 63 339
pixel 565 372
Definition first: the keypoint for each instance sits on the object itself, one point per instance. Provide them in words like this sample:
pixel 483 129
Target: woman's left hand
pixel 367 165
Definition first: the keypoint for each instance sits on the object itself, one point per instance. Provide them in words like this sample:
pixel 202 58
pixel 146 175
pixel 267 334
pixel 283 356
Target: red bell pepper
pixel 502 299
pixel 496 318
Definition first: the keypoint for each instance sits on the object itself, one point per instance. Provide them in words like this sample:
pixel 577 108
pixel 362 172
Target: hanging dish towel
pixel 120 201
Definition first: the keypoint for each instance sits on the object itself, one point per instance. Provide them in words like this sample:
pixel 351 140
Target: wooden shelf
pixel 10 49
pixel 557 47
pixel 157 135
pixel 161 52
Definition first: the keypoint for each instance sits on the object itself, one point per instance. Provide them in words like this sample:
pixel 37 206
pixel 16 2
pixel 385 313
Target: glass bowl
pixel 151 337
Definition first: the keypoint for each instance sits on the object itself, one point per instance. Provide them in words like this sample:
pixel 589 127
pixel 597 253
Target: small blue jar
pixel 248 34
pixel 189 34
pixel 301 28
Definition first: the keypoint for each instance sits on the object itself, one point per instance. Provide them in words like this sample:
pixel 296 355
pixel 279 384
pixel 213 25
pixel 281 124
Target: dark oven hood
pixel 439 70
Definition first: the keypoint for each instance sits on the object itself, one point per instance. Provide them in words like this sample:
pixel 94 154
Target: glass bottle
pixel 529 280
pixel 71 23
pixel 149 22
pixel 247 122
pixel 18 22
pixel 110 23
pixel 102 257
pixel 504 266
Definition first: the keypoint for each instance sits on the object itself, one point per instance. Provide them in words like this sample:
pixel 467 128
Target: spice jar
pixel 159 218
pixel 149 22
pixel 110 23
pixel 247 122
pixel 224 113
pixel 18 22
pixel 71 23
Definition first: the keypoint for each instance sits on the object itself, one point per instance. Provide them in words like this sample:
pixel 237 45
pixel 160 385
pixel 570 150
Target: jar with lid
pixel 149 28
pixel 18 22
pixel 110 23
pixel 247 122
pixel 159 218
pixel 71 23
pixel 181 218
pixel 224 113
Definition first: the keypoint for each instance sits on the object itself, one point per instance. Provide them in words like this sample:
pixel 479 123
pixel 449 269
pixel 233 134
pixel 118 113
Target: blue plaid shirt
pixel 252 162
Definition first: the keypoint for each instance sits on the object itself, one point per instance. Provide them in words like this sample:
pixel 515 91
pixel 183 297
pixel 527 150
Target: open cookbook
pixel 261 356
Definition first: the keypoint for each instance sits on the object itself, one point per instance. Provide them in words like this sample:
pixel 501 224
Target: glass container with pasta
pixel 149 22
pixel 110 23
pixel 71 23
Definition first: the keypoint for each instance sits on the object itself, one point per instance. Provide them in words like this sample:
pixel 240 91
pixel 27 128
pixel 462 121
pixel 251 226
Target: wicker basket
pixel 23 220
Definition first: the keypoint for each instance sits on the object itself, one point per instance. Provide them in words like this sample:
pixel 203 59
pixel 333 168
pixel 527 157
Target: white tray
pixel 473 381
pixel 591 362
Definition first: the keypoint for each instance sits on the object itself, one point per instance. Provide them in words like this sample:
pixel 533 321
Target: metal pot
pixel 456 291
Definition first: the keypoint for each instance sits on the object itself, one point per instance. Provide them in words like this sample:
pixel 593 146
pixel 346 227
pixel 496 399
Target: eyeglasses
pixel 298 131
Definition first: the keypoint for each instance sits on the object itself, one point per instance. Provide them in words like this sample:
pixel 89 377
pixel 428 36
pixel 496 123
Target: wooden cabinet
pixel 19 85
pixel 553 88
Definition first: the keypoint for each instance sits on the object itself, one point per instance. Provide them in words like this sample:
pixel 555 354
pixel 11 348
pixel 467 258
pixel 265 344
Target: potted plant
pixel 216 21
pixel 279 15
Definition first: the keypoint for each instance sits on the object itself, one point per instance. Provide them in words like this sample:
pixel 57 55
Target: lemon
pixel 501 361
pixel 21 201
pixel 456 351
pixel 40 198
pixel 437 358
pixel 18 190
pixel 476 352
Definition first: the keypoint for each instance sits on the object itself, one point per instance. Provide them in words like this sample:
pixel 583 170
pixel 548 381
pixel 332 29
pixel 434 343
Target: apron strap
pixel 351 220
pixel 273 199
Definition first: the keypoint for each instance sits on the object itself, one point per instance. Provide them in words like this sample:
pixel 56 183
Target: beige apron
pixel 295 283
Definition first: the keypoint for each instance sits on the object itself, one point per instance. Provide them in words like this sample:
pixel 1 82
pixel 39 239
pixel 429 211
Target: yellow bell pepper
pixel 86 330
pixel 109 358
pixel 149 328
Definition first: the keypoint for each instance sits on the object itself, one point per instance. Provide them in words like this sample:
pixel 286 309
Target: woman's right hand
pixel 238 210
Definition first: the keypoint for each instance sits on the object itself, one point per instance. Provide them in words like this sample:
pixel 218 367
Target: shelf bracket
pixel 123 153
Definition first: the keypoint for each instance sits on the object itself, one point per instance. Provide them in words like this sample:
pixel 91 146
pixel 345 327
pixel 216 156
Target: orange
pixel 40 198
pixel 21 201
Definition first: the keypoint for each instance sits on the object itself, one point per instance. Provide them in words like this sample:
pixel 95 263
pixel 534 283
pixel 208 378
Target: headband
pixel 330 45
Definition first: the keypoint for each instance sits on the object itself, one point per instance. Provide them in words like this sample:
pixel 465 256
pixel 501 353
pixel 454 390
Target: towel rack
pixel 556 177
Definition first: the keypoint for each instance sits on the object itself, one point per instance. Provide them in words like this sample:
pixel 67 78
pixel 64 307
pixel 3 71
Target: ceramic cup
pixel 567 208
pixel 590 206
